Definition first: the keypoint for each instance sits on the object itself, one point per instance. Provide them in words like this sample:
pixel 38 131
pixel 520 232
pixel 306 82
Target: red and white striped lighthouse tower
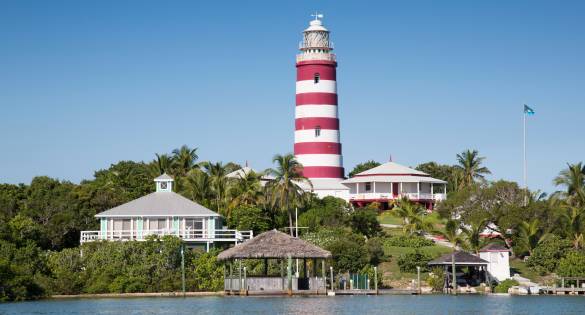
pixel 317 140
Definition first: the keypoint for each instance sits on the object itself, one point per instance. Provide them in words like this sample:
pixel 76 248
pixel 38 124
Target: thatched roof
pixel 274 244
pixel 461 258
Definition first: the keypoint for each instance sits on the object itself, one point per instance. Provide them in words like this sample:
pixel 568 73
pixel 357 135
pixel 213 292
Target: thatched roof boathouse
pixel 275 249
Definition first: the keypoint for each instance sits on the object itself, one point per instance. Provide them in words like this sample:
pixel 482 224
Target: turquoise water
pixel 388 304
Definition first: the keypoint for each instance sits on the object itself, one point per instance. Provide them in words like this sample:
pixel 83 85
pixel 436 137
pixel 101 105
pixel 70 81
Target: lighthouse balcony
pixel 308 56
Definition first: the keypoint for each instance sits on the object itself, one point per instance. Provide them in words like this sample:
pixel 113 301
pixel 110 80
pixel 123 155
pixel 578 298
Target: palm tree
pixel 413 217
pixel 573 219
pixel 217 173
pixel 472 235
pixel 530 234
pixel 185 159
pixel 573 179
pixel 163 163
pixel 197 187
pixel 452 233
pixel 284 188
pixel 246 190
pixel 470 167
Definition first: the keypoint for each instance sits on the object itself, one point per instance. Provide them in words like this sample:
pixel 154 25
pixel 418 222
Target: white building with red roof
pixel 391 181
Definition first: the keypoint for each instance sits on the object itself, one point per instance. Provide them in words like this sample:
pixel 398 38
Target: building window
pixel 317 131
pixel 317 77
pixel 368 186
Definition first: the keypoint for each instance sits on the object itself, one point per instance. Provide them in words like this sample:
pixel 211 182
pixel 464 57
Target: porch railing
pixel 390 196
pixel 188 235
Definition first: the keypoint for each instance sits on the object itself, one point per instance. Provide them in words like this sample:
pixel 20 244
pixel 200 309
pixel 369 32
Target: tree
pixel 470 167
pixel 362 167
pixel 217 175
pixel 452 234
pixel 414 220
pixel 573 179
pixel 547 254
pixel 530 234
pixel 197 187
pixel 472 235
pixel 162 164
pixel 448 173
pixel 284 188
pixel 573 220
pixel 572 265
pixel 246 190
pixel 184 160
pixel 365 221
pixel 249 218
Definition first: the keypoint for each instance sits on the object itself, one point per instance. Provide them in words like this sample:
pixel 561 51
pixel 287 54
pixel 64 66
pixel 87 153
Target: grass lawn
pixel 387 218
pixel 390 270
pixel 519 266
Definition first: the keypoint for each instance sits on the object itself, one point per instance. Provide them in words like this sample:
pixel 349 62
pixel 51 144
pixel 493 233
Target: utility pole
pixel 454 273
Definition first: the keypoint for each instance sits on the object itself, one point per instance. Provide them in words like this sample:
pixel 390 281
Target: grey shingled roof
pixel 461 258
pixel 159 204
pixel 494 247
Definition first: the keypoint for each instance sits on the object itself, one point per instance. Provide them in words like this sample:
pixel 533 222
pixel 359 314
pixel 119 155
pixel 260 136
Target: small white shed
pixel 498 257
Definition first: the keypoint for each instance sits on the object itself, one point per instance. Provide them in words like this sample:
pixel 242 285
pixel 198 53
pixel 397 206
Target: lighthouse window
pixel 317 76
pixel 317 131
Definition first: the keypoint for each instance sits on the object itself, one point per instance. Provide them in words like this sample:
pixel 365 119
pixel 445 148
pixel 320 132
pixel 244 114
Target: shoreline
pixel 135 295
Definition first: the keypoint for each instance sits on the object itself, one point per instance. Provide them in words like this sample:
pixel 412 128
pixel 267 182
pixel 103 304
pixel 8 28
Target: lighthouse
pixel 317 138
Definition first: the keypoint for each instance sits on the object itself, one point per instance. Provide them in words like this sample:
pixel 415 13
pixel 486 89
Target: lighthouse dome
pixel 316 25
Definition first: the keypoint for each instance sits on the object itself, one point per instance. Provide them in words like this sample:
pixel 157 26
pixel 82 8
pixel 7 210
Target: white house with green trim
pixel 164 212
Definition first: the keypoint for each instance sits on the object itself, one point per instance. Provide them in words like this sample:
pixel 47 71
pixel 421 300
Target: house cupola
pixel 164 183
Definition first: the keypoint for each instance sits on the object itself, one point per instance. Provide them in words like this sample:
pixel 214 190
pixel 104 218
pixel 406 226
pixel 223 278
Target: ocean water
pixel 387 304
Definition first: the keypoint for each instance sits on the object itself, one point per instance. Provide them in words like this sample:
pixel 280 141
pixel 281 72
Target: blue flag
pixel 528 111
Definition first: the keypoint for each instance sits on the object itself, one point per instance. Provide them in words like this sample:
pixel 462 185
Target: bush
pixel 375 251
pixel 409 261
pixel 503 286
pixel 547 254
pixel 436 279
pixel 249 218
pixel 365 221
pixel 572 265
pixel 349 253
pixel 408 241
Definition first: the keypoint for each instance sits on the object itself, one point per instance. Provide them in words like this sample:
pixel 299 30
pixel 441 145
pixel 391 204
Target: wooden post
pixel 266 266
pixel 245 282
pixel 282 273
pixel 324 274
pixel 454 273
pixel 376 279
pixel 240 275
pixel 231 276
pixel 331 271
pixel 418 290
pixel 289 275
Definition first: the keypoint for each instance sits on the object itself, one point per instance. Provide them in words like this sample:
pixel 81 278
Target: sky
pixel 84 84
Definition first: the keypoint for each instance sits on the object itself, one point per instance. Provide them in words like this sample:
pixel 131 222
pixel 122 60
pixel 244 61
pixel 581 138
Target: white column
pixel 418 190
pixel 131 228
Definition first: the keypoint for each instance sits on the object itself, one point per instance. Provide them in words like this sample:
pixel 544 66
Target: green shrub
pixel 408 241
pixel 546 256
pixel 249 218
pixel 375 251
pixel 572 265
pixel 409 261
pixel 365 221
pixel 503 286
pixel 436 279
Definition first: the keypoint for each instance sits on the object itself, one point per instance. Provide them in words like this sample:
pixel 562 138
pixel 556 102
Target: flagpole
pixel 524 160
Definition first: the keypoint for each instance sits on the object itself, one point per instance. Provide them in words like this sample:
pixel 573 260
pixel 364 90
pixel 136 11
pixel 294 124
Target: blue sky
pixel 86 84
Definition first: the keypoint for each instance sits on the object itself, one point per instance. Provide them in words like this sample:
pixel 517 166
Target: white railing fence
pixel 389 196
pixel 215 235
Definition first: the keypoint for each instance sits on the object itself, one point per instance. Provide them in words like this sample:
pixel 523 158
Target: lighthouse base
pixel 323 187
